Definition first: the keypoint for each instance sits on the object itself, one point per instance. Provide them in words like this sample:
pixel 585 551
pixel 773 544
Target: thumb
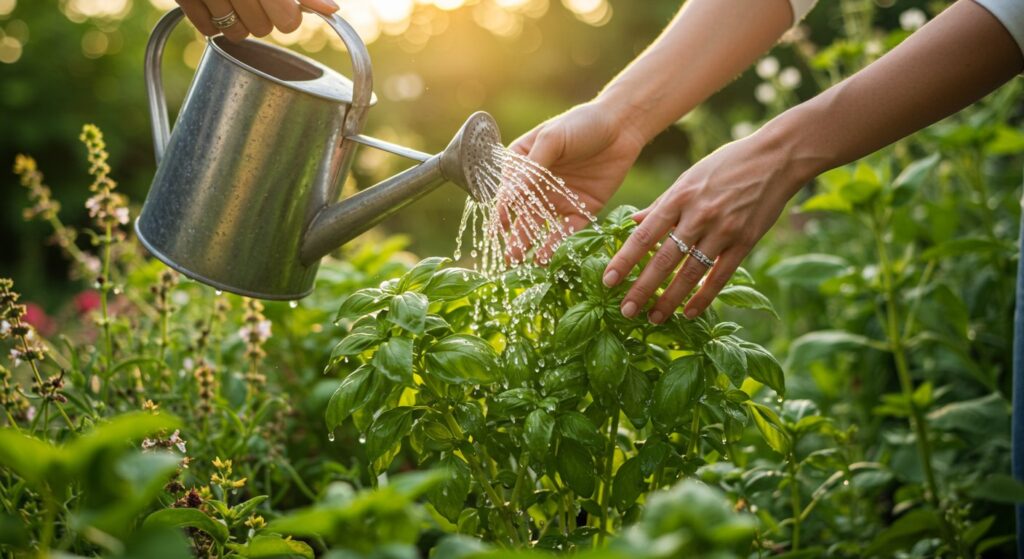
pixel 548 147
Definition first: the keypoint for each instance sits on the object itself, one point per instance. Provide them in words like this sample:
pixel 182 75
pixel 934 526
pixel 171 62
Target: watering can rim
pixel 335 86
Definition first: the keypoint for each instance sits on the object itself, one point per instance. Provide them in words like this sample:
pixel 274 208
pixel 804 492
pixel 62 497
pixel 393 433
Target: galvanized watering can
pixel 245 193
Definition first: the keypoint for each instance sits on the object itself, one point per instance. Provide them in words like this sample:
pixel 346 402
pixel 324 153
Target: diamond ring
pixel 225 21
pixel 679 244
pixel 701 257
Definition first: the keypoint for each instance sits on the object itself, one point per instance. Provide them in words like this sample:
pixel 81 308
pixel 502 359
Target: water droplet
pixel 293 304
pixel 330 436
pixel 362 439
pixel 219 292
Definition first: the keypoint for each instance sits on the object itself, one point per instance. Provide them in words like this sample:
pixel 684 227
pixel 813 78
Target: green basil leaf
pixel 576 467
pixel 409 310
pixel 352 394
pixel 461 358
pixel 745 297
pixel 728 358
pixel 537 431
pixel 449 496
pixel 676 391
pixel 770 426
pixel 453 283
pixel 355 343
pixel 606 362
pixel 628 484
pixel 576 426
pixel 763 367
pixel 394 359
pixel 421 273
pixel 362 303
pixel 809 269
pixel 273 545
pixel 187 518
pixel 578 325
pixel 635 397
pixel 385 436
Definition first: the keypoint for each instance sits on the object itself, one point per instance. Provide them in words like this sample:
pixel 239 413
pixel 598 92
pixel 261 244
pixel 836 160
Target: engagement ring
pixel 680 244
pixel 225 21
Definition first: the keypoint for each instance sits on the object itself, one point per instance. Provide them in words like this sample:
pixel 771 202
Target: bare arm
pixel 727 201
pixel 706 45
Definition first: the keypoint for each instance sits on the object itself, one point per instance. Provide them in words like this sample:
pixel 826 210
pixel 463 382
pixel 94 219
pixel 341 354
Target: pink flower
pixel 38 319
pixel 87 301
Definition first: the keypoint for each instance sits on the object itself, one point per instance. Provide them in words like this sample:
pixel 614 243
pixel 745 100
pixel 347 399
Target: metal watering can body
pixel 244 194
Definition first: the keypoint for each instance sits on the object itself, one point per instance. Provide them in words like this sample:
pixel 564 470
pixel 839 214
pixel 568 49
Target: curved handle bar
pixel 362 79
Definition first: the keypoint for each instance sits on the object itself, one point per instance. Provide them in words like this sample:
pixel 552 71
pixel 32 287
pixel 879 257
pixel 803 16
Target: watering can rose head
pixel 245 193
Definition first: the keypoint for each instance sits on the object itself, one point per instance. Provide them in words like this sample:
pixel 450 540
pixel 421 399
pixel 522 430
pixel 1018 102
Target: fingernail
pixel 629 309
pixel 690 313
pixel 611 278
pixel 333 4
pixel 655 317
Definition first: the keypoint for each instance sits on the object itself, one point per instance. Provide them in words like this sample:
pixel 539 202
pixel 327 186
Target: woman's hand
pixel 591 148
pixel 721 206
pixel 256 17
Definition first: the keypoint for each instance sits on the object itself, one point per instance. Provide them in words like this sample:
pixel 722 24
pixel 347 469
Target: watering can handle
pixel 362 88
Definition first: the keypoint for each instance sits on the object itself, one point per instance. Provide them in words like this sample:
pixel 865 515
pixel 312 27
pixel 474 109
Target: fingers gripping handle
pixel 362 89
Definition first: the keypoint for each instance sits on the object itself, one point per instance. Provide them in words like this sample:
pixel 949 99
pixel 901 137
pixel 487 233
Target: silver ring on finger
pixel 701 257
pixel 683 247
pixel 225 21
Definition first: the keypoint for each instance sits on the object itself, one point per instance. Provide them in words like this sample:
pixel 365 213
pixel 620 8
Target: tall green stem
pixel 104 290
pixel 896 346
pixel 794 500
pixel 606 487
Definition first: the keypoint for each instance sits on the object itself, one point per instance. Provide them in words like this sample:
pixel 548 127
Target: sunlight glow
pixel 7 6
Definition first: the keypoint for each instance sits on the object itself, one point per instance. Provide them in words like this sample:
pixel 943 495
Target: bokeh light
pixel 7 6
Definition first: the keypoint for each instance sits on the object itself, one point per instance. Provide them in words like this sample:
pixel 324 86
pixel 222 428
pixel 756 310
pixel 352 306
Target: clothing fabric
pixel 800 9
pixel 1011 14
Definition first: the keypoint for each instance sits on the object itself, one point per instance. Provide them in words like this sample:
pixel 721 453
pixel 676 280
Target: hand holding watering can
pixel 237 19
pixel 245 195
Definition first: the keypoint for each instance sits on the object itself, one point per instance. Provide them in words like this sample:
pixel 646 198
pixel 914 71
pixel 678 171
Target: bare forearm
pixel 707 44
pixel 957 58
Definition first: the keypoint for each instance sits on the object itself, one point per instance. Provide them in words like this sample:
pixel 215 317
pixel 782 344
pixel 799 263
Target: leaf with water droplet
pixel 606 362
pixel 453 283
pixel 449 496
pixel 352 394
pixel 362 303
pixel 462 358
pixel 409 310
pixel 394 358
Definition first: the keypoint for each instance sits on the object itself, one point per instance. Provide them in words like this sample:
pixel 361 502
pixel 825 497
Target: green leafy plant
pixel 552 413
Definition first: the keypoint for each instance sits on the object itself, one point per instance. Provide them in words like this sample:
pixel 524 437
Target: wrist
pixel 628 116
pixel 792 137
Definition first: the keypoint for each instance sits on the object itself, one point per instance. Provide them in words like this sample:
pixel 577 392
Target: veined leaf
pixel 394 359
pixel 409 310
pixel 745 297
pixel 188 518
pixel 578 325
pixel 770 426
pixel 362 303
pixel 461 358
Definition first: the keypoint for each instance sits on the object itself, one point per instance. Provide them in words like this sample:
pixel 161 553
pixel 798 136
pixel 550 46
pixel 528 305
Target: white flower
pixel 5 328
pixel 16 356
pixel 765 93
pixel 177 441
pixel 873 47
pixel 148 444
pixel 767 67
pixel 180 298
pixel 188 363
pixel 743 129
pixel 263 328
pixel 93 264
pixel 30 413
pixel 121 214
pixel 789 78
pixel 913 19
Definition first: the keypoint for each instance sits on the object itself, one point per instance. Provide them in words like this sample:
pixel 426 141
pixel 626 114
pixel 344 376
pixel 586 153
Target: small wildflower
pixel 767 68
pixel 255 522
pixel 151 406
pixel 43 205
pixel 790 78
pixel 765 93
pixel 912 19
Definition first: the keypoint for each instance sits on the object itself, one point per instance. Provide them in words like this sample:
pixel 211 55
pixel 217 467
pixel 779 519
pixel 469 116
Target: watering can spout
pixel 469 153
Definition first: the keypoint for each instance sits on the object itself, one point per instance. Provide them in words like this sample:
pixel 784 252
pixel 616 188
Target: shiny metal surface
pixel 259 131
pixel 242 197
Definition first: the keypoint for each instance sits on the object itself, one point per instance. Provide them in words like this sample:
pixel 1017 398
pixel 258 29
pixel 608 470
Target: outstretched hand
pixel 256 17
pixel 720 207
pixel 591 149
